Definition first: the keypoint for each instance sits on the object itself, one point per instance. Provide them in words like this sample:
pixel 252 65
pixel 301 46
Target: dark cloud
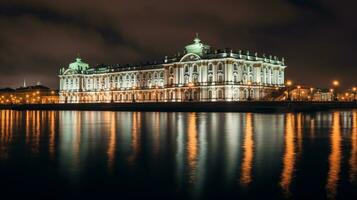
pixel 37 37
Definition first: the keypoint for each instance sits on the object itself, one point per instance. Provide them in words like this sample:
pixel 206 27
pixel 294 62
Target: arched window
pixel 220 67
pixel 195 95
pixel 210 79
pixel 171 96
pixel 209 94
pixel 186 69
pixel 220 94
pixel 235 78
pixel 220 78
pixel 195 78
pixel 171 81
pixel 210 67
pixel 171 70
pixel 195 68
pixel 236 94
pixel 235 67
pixel 186 79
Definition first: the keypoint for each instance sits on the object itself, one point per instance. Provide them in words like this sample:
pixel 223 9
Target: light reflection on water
pixel 179 155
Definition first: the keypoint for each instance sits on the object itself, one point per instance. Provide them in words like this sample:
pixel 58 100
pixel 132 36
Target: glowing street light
pixel 335 83
pixel 289 83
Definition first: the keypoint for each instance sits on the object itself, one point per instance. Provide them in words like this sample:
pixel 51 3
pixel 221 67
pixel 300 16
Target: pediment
pixel 70 72
pixel 190 57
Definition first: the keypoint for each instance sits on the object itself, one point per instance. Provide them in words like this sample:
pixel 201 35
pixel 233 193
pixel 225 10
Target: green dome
pixel 197 47
pixel 78 65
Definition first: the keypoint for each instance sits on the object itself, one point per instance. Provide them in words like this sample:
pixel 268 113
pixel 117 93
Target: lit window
pixel 210 67
pixel 195 68
pixel 220 67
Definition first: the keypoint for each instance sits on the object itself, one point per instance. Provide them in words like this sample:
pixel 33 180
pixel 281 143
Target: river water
pixel 126 155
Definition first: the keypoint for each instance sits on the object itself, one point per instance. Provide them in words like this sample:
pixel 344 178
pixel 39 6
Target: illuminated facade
pixel 37 94
pixel 199 74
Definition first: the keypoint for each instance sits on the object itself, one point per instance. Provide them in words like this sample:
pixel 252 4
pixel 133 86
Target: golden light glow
pixel 52 134
pixel 353 157
pixel 248 148
pixel 112 140
pixel 135 140
pixel 335 157
pixel 192 143
pixel 289 83
pixel 335 83
pixel 289 154
pixel 298 87
pixel 354 89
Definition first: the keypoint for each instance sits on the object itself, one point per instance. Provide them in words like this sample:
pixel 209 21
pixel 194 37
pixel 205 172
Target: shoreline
pixel 246 106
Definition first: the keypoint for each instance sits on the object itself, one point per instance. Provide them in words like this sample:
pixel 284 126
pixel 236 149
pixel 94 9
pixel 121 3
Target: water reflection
pixel 112 140
pixel 135 140
pixel 335 157
pixel 192 155
pixel 353 157
pixel 289 154
pixel 248 151
pixel 192 149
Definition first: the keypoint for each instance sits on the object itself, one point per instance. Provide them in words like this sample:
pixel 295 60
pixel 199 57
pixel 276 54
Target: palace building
pixel 201 73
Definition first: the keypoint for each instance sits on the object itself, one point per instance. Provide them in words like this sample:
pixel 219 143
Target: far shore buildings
pixel 201 73
pixel 36 94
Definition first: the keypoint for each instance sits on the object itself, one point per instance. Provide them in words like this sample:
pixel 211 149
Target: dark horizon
pixel 38 37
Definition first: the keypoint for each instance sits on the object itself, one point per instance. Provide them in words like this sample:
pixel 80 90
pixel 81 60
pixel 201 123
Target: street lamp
pixel 347 96
pixel 249 97
pixel 157 99
pixel 335 84
pixel 354 89
pixel 133 94
pixel 289 84
pixel 299 87
pixel 311 93
pixel 111 95
pixel 190 85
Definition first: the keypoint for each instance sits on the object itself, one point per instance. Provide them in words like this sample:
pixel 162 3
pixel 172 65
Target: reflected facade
pixel 179 155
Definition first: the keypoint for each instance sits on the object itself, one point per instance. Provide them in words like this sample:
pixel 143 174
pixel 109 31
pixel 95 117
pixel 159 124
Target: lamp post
pixel 249 97
pixel 311 94
pixel 299 87
pixel 335 84
pixel 289 84
pixel 190 90
pixel 354 89
pixel 133 94
pixel 347 96
pixel 332 94
pixel 156 88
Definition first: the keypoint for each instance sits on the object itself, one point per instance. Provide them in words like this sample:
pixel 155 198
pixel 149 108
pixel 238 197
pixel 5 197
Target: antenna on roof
pixel 24 83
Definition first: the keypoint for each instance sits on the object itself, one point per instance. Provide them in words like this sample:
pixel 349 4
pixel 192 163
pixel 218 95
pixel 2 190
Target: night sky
pixel 317 38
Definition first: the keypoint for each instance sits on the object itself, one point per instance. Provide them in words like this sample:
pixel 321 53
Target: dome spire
pixel 78 59
pixel 197 39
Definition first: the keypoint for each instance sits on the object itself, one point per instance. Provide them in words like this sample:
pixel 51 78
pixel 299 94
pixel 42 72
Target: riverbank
pixel 252 106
